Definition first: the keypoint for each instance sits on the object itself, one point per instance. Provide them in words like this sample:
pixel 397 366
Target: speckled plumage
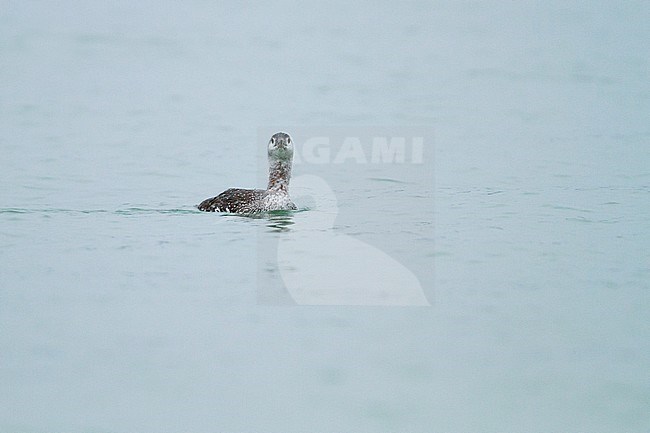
pixel 275 197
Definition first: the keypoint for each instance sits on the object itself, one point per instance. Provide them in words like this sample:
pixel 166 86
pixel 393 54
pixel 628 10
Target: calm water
pixel 123 309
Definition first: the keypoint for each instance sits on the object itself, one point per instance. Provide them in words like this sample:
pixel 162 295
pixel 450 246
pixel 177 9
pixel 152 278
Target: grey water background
pixel 122 309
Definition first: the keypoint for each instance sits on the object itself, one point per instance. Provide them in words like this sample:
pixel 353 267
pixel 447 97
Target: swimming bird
pixel 274 197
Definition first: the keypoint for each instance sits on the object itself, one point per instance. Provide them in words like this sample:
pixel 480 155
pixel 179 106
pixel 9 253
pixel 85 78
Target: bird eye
pixel 272 140
pixel 289 140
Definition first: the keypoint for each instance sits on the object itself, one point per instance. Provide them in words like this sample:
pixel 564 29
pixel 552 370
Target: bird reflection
pixel 279 221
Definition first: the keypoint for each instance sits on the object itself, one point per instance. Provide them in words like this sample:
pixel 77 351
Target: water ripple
pixel 126 211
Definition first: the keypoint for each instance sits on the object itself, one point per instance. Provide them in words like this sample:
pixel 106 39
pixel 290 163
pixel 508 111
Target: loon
pixel 275 197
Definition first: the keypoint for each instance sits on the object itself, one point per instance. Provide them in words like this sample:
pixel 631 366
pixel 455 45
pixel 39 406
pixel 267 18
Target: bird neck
pixel 279 175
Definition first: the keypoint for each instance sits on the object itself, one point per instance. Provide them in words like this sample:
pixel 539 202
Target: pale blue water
pixel 123 309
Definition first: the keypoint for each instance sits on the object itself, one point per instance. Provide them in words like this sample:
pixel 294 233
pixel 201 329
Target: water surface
pixel 124 309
